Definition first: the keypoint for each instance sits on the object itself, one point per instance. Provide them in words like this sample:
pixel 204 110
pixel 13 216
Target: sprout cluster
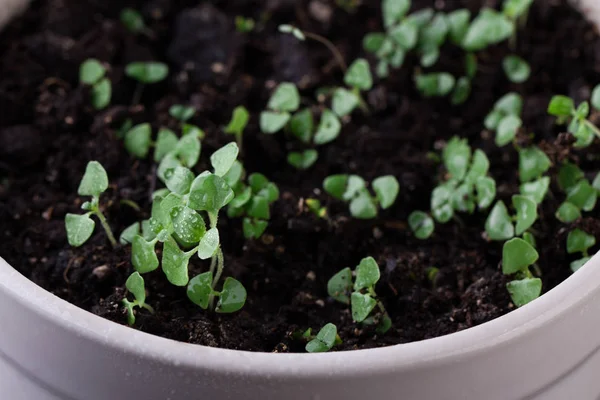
pixel 579 125
pixel 353 190
pixel 322 341
pixel 93 74
pixel 359 292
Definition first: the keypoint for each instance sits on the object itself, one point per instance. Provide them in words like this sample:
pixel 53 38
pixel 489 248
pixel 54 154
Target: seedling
pixel 517 11
pixel 302 159
pixel 80 227
pixel 516 69
pixel 243 24
pixel 145 73
pixel 134 22
pixel 517 256
pixel 181 113
pixel 579 125
pixel 488 28
pixel 135 285
pixel 283 102
pixel 93 73
pixel 579 241
pixel 353 190
pixel 324 340
pixel 438 84
pixel 581 195
pixel 505 119
pixel 315 207
pixel 238 123
pixel 252 200
pixel 501 226
pixel 360 295
pixel 421 224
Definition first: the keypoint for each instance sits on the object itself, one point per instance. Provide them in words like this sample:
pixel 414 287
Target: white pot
pixel 52 350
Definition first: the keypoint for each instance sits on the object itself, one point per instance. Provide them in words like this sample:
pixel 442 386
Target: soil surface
pixel 48 133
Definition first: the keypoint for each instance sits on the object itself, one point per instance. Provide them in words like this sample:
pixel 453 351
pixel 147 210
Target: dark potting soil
pixel 48 133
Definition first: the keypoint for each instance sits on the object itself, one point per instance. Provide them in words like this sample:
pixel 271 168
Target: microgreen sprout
pixel 315 207
pixel 516 69
pixel 134 22
pixel 501 226
pixel 324 340
pixel 436 84
pixel 517 256
pixel 353 190
pixel 284 100
pixel 181 113
pixel 505 118
pixel 238 123
pixel 243 24
pixel 488 28
pixel 145 73
pixel 80 227
pixel 135 285
pixel 93 73
pixel 581 195
pixel 579 125
pixel 580 241
pixel 360 295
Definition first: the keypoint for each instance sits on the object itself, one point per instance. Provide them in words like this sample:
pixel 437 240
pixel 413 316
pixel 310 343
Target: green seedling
pixel 181 113
pixel 516 69
pixel 501 226
pixel 517 11
pixel 80 227
pixel 517 256
pixel 579 241
pixel 92 73
pixel 353 190
pixel 488 28
pixel 437 84
pixel 302 159
pixel 284 101
pixel 581 195
pixel 135 285
pixel 145 73
pixel 243 24
pixel 253 200
pixel 505 118
pixel 360 295
pixel 579 125
pixel 134 22
pixel 315 207
pixel 238 123
pixel 421 224
pixel 533 163
pixel 324 340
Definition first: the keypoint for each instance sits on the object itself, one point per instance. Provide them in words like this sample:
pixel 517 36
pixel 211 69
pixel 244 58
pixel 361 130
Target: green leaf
pixel 488 28
pixel 235 173
pixel 486 192
pixel 561 106
pixel 169 162
pixel 524 291
pixel 583 195
pixel 526 213
pixel 329 128
pixel 192 130
pixel 367 274
pixel 480 165
pixel 405 35
pixel 393 11
pixel 517 256
pixel 241 198
pixel 596 183
pixel 373 41
pixel 101 94
pixel 441 195
pixel 444 213
pixel 181 113
pixel 188 149
pixel 285 98
pixel 462 199
pixel 272 122
pixel 358 75
pixel 232 298
pixel 458 22
pixel 302 160
pixel 147 72
pixel 568 176
pixel 421 224
pixel 199 289
pixel 324 341
pixel 507 130
pixel 302 125
pixel 336 185
pixel 143 255
pixel 436 84
pixel 297 33
pixel 386 188
pixel 340 285
pixel 270 192
pixel 499 225
pixel 456 156
pixel 208 244
pixel 363 206
pixel 471 65
pixel 421 17
pixel 135 285
pixel 129 233
pixel 343 102
pixel 577 264
pixel 579 241
pixel 529 238
pixel 94 181
pixel 462 90
pixel 138 140
pixel 259 208
pixel 536 190
pixel 568 212
pixel 253 229
pixel 515 9
pixel 210 193
pixel 355 186
pixel 362 305
pixel 166 142
pixel 430 56
pixel 533 162
pixel 79 228
pixel 132 20
pixel 516 69
pixel 434 33
pixel 510 104
pixel 596 98
pixel 175 263
pixel 238 122
pixel 179 180
pixel 187 224
pixel 91 71
pixel 222 160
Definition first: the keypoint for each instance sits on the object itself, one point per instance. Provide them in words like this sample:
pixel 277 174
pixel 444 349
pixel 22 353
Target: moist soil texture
pixel 49 132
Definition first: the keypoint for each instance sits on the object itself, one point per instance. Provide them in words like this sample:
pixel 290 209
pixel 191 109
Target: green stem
pixel 362 104
pixel 106 227
pixel 240 140
pixel 336 53
pixel 130 203
pixel 592 127
pixel 220 266
pixel 147 307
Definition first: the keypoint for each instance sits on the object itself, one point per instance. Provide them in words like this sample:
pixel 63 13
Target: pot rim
pixel 569 296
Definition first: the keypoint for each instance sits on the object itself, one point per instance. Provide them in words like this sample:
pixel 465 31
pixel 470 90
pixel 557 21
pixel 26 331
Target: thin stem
pixel 137 95
pixel 361 102
pixel 592 127
pixel 147 307
pixel 106 227
pixel 220 266
pixel 130 203
pixel 240 140
pixel 336 53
